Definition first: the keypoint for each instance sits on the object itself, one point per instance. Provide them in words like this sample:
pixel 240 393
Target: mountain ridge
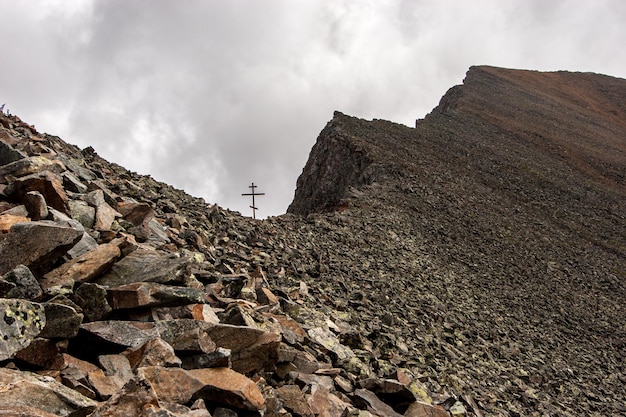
pixel 472 265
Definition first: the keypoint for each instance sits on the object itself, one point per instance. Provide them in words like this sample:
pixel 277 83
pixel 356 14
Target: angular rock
pixel 186 335
pixel 115 374
pixel 331 343
pixel 23 411
pixel 25 389
pixel 28 166
pixel 144 265
pixel 83 213
pixel 77 380
pixel 126 334
pixel 151 294
pixel 155 352
pixel 92 299
pixel 220 385
pixel 40 352
pixel 84 245
pixel 7 220
pixel 135 399
pixel 35 205
pixel 326 404
pixel 9 154
pixel 421 409
pixel 140 215
pixel 23 284
pixel 252 349
pixel 72 183
pixel 62 321
pixel 202 312
pixel 48 183
pixel 294 400
pixel 367 400
pixel 220 358
pixel 20 322
pixel 105 216
pixel 389 390
pixel 35 245
pixel 291 331
pixel 86 267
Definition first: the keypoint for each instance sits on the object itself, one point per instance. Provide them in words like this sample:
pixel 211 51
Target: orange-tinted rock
pixel 86 267
pixel 219 385
pixel 48 183
pixel 155 352
pixel 420 409
pixel 8 220
pixel 294 400
pixel 149 294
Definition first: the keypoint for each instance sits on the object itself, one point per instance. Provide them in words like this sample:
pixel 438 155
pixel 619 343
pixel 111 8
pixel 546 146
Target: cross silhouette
pixel 253 206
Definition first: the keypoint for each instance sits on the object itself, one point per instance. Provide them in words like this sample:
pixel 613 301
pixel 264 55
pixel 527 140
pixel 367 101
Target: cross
pixel 253 207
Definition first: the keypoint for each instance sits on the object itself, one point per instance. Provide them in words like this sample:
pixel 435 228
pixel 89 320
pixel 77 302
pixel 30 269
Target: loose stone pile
pixel 121 296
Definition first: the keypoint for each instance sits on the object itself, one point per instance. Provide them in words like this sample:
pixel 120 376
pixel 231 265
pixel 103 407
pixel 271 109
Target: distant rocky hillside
pixel 474 265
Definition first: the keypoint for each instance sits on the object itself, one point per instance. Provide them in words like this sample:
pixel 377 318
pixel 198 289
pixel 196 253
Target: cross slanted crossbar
pixel 253 194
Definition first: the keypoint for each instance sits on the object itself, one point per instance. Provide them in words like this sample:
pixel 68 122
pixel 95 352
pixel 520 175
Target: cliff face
pixel 473 265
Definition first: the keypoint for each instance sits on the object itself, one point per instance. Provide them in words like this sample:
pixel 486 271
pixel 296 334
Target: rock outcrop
pixel 472 265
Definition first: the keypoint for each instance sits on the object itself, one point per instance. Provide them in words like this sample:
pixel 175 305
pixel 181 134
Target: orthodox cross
pixel 253 207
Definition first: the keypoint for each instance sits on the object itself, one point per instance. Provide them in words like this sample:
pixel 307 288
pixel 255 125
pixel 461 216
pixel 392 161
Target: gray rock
pixel 36 245
pixel 127 334
pixel 20 322
pixel 151 294
pixel 36 205
pixel 62 321
pixel 92 298
pixel 23 284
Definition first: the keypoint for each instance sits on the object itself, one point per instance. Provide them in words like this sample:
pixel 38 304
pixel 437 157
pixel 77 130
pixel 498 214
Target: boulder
pixel 151 294
pixel 218 385
pixel 367 400
pixel 155 352
pixel 294 401
pixel 186 335
pixel 145 265
pixel 36 205
pixel 123 334
pixel 28 166
pixel 36 245
pixel 7 220
pixel 48 183
pixel 25 389
pixel 22 284
pixel 21 321
pixel 62 321
pixel 84 268
pixel 92 299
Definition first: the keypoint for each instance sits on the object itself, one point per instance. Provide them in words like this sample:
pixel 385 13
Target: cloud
pixel 210 96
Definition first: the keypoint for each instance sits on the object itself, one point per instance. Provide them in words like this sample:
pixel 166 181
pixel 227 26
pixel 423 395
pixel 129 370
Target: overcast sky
pixel 209 96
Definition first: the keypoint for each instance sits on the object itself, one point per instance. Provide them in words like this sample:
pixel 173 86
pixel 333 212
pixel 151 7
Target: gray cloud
pixel 209 96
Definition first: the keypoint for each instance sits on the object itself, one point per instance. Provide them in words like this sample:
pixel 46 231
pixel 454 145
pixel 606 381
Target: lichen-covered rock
pixel 20 322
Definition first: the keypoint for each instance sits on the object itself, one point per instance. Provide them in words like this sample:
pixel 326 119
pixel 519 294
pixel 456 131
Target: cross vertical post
pixel 253 194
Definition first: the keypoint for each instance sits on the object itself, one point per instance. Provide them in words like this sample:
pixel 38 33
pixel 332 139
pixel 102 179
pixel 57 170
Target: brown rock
pixel 220 385
pixel 40 352
pixel 252 349
pixel 294 400
pixel 291 331
pixel 25 389
pixel 326 404
pixel 421 409
pixel 187 335
pixel 48 183
pixel 139 214
pixel 136 399
pixel 144 265
pixel 35 245
pixel 115 373
pixel 23 411
pixel 20 322
pixel 86 267
pixel 35 205
pixel 121 333
pixel 389 390
pixel 202 312
pixel 155 352
pixel 28 166
pixel 150 294
pixel 367 400
pixel 8 220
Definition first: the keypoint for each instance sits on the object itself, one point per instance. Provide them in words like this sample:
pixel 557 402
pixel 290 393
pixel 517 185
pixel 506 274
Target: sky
pixel 210 96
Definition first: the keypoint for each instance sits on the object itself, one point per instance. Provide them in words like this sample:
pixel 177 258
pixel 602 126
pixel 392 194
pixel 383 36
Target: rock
pixel 72 183
pixel 77 380
pixel 151 294
pixel 83 212
pixel 291 331
pixel 62 321
pixel 28 166
pixel 330 342
pixel 35 205
pixel 24 284
pixel 144 265
pixel 8 220
pixel 48 183
pixel 421 409
pixel 41 353
pixel 25 389
pixel 203 312
pixel 220 358
pixel 294 401
pixel 187 335
pixel 218 385
pixel 124 334
pixel 326 404
pixel 140 215
pixel 154 352
pixel 92 299
pixel 389 390
pixel 23 411
pixel 367 400
pixel 35 245
pixel 136 399
pixel 21 321
pixel 9 154
pixel 251 349
pixel 84 245
pixel 115 373
pixel 84 268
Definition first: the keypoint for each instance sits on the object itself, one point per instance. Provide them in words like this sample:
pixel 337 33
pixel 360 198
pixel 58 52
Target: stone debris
pixel 122 296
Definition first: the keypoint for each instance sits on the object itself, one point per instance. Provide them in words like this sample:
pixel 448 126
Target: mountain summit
pixel 472 265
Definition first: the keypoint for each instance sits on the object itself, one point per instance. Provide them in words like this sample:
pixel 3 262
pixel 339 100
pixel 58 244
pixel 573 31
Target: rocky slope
pixel 472 265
